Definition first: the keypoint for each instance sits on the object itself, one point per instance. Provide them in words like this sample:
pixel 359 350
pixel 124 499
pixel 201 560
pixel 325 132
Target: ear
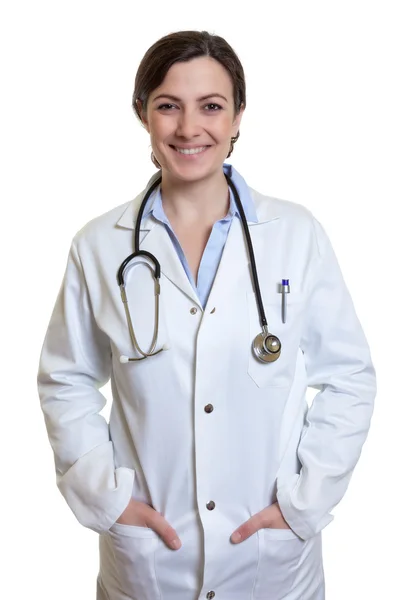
pixel 142 114
pixel 237 121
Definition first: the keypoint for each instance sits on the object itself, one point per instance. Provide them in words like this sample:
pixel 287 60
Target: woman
pixel 212 479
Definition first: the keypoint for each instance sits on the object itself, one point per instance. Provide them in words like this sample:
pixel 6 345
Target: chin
pixel 194 174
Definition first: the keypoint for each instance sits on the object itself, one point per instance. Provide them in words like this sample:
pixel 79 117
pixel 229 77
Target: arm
pixel 338 364
pixel 75 362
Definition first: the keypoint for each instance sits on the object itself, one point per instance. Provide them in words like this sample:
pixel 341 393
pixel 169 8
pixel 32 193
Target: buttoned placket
pixel 207 505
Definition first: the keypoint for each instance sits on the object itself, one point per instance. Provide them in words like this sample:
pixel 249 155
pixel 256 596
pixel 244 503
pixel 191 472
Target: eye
pixel 217 105
pixel 163 105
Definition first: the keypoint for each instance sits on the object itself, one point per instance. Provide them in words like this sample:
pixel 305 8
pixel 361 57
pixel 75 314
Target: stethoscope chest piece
pixel 266 347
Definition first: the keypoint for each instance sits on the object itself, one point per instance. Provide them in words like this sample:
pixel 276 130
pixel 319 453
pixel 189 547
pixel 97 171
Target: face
pixel 193 108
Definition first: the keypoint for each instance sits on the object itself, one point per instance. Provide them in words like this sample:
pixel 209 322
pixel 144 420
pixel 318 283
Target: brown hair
pixel 182 46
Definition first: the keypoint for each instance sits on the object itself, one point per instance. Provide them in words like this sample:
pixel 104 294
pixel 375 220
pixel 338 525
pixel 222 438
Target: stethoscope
pixel 266 347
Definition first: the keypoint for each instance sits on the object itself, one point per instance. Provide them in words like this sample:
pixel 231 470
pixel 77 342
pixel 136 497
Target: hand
pixel 270 517
pixel 143 515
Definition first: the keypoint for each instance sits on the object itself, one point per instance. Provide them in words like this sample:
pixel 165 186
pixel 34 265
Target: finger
pixel 250 527
pixel 278 520
pixel 158 523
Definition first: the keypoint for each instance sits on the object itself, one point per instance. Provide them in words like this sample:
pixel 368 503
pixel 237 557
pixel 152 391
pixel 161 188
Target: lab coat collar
pixel 234 260
pixel 267 209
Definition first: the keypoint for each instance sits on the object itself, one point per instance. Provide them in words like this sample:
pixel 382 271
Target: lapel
pixel 155 239
pixel 234 262
pixel 234 270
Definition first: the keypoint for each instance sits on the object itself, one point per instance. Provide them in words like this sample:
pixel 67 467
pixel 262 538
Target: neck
pixel 205 200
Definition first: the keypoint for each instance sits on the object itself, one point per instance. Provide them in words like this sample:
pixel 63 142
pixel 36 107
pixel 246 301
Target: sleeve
pixel 75 362
pixel 338 364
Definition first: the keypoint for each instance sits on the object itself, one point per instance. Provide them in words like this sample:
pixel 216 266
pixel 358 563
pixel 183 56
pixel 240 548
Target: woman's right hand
pixel 142 515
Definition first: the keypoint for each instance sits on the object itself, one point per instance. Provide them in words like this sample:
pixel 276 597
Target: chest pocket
pixel 279 373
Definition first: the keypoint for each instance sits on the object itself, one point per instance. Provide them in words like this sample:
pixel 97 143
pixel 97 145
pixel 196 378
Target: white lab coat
pixel 164 446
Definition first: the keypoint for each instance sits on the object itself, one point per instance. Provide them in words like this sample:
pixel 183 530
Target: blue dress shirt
pixel 213 251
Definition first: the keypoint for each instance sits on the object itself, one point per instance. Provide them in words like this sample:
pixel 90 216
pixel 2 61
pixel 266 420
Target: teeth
pixel 191 150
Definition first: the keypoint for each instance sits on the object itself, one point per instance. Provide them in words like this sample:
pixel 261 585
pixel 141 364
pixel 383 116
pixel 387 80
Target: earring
pixel 233 140
pixel 155 161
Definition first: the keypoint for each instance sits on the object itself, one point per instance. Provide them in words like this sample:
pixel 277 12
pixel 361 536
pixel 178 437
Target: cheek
pixel 159 127
pixel 224 128
pixel 158 131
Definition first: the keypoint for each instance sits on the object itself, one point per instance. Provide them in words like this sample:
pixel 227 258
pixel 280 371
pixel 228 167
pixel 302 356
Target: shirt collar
pixel 154 204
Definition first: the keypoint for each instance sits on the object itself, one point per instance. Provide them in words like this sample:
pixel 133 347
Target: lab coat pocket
pixel 289 567
pixel 280 553
pixel 134 549
pixel 280 372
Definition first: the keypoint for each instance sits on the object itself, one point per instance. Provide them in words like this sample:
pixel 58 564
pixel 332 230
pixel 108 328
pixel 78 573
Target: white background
pixel 325 125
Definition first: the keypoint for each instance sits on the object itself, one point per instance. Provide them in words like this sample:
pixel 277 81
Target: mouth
pixel 190 153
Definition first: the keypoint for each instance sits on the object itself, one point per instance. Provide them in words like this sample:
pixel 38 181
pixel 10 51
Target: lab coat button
pixel 210 594
pixel 193 311
pixel 210 505
pixel 209 408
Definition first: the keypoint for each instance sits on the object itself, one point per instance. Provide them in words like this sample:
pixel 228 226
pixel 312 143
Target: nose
pixel 187 124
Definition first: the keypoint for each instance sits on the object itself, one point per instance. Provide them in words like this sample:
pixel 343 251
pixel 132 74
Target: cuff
pixel 300 520
pixel 96 492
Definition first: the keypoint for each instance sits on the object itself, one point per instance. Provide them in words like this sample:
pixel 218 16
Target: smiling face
pixel 193 108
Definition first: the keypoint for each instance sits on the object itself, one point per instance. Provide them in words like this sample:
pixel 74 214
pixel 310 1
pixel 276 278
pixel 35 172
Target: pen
pixel 285 290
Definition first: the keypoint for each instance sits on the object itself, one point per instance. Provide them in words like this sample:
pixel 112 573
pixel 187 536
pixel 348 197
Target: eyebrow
pixel 198 99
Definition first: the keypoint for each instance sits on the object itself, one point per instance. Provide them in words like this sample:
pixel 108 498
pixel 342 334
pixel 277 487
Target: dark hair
pixel 182 46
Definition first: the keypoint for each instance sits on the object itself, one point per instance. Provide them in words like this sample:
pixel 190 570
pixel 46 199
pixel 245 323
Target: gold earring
pixel 233 140
pixel 155 161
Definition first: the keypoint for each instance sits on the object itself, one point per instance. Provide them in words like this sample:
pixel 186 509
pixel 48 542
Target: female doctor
pixel 213 478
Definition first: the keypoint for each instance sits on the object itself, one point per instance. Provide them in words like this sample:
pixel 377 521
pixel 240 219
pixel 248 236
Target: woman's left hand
pixel 269 517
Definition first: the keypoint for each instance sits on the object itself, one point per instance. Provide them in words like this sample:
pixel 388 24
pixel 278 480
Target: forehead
pixel 197 77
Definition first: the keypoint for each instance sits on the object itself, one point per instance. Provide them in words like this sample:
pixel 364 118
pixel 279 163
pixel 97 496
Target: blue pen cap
pixel 285 287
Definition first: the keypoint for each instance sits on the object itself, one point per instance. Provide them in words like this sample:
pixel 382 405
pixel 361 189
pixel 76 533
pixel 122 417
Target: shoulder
pixel 270 207
pixel 101 226
pixel 298 222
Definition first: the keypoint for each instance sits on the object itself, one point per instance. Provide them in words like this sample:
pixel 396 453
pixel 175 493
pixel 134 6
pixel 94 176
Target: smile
pixel 190 151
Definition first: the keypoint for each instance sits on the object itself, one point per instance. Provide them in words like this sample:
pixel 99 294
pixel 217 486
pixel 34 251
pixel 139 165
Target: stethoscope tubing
pixel 254 272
